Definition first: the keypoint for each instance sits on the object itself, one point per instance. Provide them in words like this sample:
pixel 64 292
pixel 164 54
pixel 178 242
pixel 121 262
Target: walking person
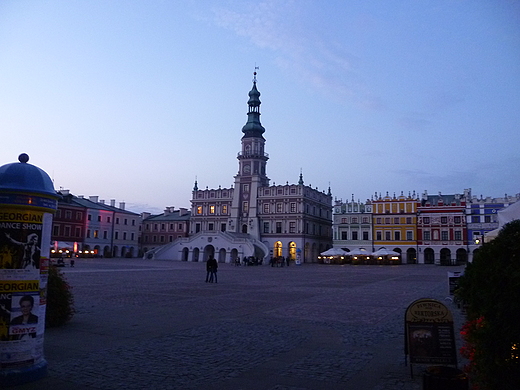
pixel 208 270
pixel 212 265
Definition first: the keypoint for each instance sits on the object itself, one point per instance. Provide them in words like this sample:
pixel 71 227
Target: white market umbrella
pixel 334 252
pixel 385 252
pixel 358 252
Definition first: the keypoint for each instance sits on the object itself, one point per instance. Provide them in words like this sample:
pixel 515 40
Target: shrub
pixel 490 289
pixel 60 301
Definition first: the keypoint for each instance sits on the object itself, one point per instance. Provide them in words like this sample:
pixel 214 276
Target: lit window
pixel 224 209
pixel 212 209
pixel 199 209
pixel 245 207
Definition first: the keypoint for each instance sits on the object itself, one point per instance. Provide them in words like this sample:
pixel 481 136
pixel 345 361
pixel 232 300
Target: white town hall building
pixel 254 218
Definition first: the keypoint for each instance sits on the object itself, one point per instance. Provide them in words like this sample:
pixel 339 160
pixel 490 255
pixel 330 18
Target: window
pixel 116 235
pixel 365 235
pixel 396 221
pixel 212 209
pixel 444 235
pixel 365 219
pixel 245 187
pixel 444 220
pixel 427 235
pixel 199 209
pixel 387 221
pixel 88 233
pixel 379 236
pixel 378 221
pixel 245 206
pixel 293 207
pixel 99 218
pixel 96 233
pixel 408 220
pixel 354 220
pixel 266 227
pixel 344 220
pixel 132 236
pixel 458 235
pixel 126 221
pixel 162 226
pixel 89 217
pixel 278 227
pixel 78 232
pixel 124 235
pixel 105 234
pixel 279 207
pixel 224 209
pixel 180 227
pixel 197 227
pixel 292 227
pixel 117 221
pixel 397 236
pixel 172 226
pixel 133 221
pixel 344 235
pixel 68 214
pixel 475 219
pixel 56 230
pixel 456 219
pixel 409 235
pixel 58 213
pixel 487 218
pixel 266 192
pixel 266 208
pixel 354 235
pixel 222 227
pixel 211 226
pixel 388 236
pixel 108 219
pixel 426 219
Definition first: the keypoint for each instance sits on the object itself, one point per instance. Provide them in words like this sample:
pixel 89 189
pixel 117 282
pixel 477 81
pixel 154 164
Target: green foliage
pixel 490 289
pixel 60 301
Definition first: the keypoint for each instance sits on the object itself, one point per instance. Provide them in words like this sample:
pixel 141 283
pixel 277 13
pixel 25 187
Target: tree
pixel 490 290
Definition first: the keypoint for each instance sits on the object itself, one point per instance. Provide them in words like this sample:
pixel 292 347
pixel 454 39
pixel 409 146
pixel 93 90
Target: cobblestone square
pixel 158 325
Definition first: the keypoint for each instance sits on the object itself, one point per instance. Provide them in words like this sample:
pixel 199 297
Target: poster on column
pixel 22 316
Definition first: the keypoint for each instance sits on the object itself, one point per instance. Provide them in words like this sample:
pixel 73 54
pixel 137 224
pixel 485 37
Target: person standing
pixel 213 266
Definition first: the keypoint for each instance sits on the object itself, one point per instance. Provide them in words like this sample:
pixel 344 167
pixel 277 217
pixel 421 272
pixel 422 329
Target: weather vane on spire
pixel 254 73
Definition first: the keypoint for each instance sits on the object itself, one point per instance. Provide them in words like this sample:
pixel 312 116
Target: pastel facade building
pixel 352 225
pixel 441 229
pixel 394 222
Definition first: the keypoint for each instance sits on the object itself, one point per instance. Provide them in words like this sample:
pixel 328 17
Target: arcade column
pixel 27 204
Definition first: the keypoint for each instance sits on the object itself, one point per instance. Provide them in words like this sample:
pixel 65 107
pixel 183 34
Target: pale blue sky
pixel 131 100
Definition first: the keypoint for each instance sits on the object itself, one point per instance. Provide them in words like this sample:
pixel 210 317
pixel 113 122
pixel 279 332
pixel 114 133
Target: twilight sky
pixel 134 99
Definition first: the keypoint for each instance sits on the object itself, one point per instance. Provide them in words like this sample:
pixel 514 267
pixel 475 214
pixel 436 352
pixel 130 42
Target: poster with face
pixel 23 232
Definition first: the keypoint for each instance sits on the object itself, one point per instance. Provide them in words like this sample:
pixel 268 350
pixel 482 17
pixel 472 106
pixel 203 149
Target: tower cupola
pixel 253 127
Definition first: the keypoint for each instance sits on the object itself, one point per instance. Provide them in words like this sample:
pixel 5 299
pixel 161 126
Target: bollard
pixel 27 203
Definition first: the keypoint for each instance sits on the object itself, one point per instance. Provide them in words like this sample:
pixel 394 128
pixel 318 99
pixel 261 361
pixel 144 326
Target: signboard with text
pixel 429 336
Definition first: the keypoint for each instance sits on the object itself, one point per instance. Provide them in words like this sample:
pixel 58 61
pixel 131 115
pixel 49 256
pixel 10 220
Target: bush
pixel 490 289
pixel 60 301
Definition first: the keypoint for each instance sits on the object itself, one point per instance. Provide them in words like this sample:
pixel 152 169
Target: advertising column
pixel 27 204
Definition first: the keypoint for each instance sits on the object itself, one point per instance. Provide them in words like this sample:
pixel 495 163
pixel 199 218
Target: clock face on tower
pixel 247 168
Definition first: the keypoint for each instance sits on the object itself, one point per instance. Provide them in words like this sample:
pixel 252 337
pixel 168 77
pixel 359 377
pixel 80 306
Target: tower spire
pixel 253 127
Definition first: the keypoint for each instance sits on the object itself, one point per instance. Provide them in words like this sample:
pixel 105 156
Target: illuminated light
pixel 60 251
pixel 53 251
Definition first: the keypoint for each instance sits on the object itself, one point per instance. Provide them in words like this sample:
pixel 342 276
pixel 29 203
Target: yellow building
pixel 394 222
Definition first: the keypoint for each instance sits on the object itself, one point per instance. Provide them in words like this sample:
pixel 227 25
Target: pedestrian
pixel 212 265
pixel 72 262
pixel 208 270
pixel 288 259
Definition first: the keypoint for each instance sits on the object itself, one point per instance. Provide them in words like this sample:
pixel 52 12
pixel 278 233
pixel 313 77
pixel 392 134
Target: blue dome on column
pixel 22 176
